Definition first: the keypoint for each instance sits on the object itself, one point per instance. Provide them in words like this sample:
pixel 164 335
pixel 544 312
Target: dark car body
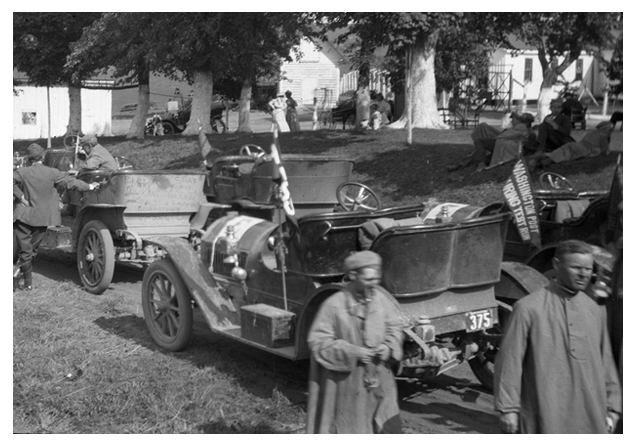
pixel 259 277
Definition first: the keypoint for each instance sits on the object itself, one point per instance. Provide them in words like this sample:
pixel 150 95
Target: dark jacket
pixel 37 184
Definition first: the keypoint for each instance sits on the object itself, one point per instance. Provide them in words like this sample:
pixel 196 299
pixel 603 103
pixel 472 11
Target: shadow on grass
pixel 62 266
pixel 256 371
pixel 219 427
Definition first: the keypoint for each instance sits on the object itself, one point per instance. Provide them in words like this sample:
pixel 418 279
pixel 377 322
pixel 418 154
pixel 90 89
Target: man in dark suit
pixel 36 197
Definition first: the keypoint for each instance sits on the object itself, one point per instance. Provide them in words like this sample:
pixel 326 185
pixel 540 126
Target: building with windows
pixel 36 109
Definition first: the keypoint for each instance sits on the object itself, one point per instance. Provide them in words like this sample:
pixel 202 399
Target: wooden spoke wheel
pixel 167 306
pixel 96 257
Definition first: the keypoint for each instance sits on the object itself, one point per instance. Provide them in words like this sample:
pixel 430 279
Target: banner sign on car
pixel 519 196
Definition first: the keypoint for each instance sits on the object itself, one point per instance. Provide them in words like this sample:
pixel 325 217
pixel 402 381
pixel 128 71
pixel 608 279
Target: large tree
pixel 192 50
pixel 252 45
pixel 411 42
pixel 127 46
pixel 559 38
pixel 41 43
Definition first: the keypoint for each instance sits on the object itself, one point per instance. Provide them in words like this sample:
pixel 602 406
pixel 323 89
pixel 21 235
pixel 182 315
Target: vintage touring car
pixel 117 221
pixel 268 258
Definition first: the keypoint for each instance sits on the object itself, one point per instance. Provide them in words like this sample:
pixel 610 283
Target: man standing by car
pixel 34 190
pixel 355 334
pixel 554 373
pixel 97 157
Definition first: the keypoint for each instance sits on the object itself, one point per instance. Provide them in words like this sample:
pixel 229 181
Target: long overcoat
pixel 339 401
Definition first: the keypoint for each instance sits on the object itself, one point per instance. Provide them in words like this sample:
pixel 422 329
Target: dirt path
pixel 454 403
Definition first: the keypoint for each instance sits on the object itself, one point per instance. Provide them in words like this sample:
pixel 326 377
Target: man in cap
pixel 488 140
pixel 554 373
pixel 36 207
pixel 355 334
pixel 97 157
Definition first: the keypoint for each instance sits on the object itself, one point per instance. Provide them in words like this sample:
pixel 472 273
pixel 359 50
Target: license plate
pixel 479 320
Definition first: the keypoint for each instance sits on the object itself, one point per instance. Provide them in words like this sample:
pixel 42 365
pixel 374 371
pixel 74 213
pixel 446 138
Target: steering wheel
pixel 551 180
pixel 352 196
pixel 252 150
pixel 124 163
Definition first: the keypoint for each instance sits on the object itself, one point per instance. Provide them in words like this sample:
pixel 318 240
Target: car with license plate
pixel 275 237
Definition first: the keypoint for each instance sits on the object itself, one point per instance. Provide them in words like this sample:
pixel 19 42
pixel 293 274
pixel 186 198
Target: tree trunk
pixel 138 124
pixel 546 94
pixel 201 103
pixel 244 106
pixel 423 86
pixel 363 99
pixel 75 110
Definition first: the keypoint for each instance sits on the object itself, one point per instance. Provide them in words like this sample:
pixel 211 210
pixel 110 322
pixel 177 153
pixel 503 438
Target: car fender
pixel 518 280
pixel 542 260
pixel 111 215
pixel 308 313
pixel 218 309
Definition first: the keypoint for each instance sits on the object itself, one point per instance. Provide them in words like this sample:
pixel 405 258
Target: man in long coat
pixel 355 333
pixel 34 190
pixel 555 372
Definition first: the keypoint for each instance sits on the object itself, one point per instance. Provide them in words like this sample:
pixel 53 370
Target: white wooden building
pixel 315 75
pixel 526 71
pixel 31 111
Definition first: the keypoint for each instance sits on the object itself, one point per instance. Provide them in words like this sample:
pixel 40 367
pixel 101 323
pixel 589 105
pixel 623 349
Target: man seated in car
pixel 97 157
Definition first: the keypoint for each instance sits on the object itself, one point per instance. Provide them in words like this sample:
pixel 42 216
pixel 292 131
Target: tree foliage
pixel 42 41
pixel 561 35
pixel 559 38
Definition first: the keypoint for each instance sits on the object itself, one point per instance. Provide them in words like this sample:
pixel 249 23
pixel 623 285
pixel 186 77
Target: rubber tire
pixel 179 316
pixel 484 370
pixel 98 232
pixel 217 123
pixel 169 129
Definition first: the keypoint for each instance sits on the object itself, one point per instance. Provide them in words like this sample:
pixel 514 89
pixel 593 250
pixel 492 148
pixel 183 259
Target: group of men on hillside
pixel 543 144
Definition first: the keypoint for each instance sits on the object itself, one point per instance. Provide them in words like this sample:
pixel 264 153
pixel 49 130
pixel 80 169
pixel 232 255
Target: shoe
pixel 17 274
pixel 27 270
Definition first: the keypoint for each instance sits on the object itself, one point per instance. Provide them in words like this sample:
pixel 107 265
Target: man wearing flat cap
pixel 355 334
pixel 97 157
pixel 37 206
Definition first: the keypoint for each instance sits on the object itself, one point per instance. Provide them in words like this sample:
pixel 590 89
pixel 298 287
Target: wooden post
pixel 408 97
pixel 510 90
pixel 48 117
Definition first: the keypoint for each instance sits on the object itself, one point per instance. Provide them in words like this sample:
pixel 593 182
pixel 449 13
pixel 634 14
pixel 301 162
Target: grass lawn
pixel 86 364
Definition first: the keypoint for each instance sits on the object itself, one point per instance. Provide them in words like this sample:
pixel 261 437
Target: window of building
pixel 528 69
pixel 579 69
pixel 29 118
